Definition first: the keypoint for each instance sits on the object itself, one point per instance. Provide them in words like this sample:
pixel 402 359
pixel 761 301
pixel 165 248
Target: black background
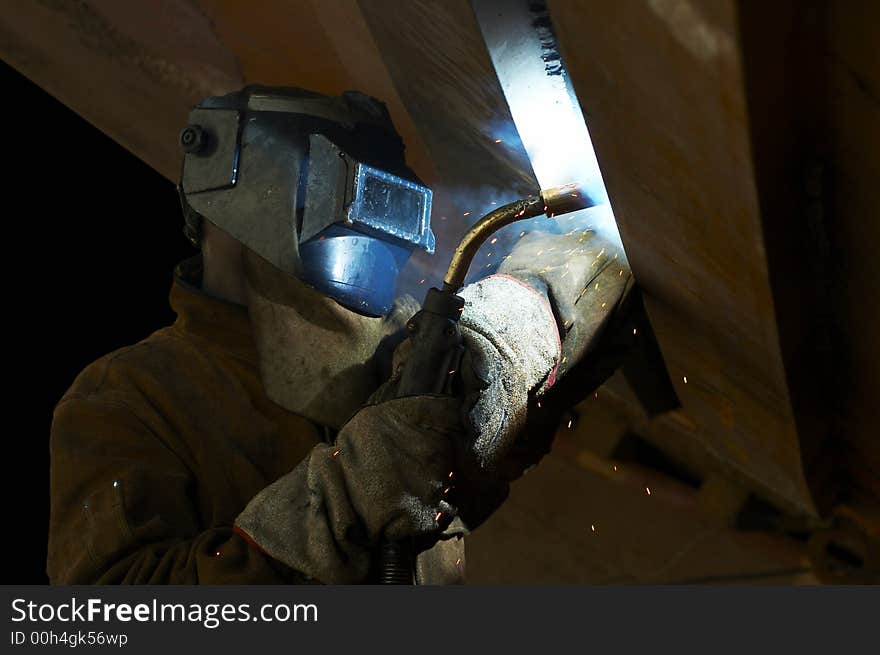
pixel 91 237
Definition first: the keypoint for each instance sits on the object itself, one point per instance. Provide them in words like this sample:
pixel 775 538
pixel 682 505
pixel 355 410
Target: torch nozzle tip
pixel 566 198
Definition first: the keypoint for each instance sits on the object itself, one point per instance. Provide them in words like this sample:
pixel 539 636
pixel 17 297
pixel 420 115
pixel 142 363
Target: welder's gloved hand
pixel 384 477
pixel 584 278
pixel 524 328
pixel 512 349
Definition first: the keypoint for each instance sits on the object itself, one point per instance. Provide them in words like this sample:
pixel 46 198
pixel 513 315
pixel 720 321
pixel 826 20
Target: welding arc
pixel 552 202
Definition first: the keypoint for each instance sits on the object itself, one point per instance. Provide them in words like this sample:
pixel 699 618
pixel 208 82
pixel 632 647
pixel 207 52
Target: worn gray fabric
pixel 583 276
pixel 444 563
pixel 513 347
pixel 384 477
pixel 317 359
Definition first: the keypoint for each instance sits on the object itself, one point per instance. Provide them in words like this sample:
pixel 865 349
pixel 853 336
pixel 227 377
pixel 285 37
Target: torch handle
pixel 429 369
pixel 436 346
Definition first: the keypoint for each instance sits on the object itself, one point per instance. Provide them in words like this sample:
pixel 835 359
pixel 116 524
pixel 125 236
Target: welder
pixel 261 438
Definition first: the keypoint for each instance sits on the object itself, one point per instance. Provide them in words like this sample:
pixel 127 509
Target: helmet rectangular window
pixel 390 204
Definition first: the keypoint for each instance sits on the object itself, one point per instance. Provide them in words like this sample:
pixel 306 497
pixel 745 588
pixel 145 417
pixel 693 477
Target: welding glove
pixel 524 328
pixel 383 478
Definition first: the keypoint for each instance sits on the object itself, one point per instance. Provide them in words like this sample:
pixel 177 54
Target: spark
pixel 615 467
pixel 574 195
pixel 458 562
pixel 635 331
pixel 450 474
pixel 570 421
pixel 648 489
pixel 603 305
pixel 446 490
pixel 685 379
pixel 563 359
pixel 539 404
pixel 592 527
pixel 597 286
pixel 437 518
pixel 216 553
pixel 467 214
pixel 452 372
pixel 493 203
pixel 620 272
pixel 488 265
pixel 422 281
pixel 494 240
pixel 522 234
pixel 488 254
pixel 540 252
pixel 442 218
pixel 596 394
pixel 335 453
pixel 497 140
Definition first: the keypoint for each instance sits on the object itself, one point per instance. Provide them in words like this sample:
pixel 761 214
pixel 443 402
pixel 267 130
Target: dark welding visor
pixel 317 186
pixel 360 224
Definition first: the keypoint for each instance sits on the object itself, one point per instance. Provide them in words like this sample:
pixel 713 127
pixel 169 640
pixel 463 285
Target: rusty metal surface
pixel 661 86
pixel 133 70
pixel 565 525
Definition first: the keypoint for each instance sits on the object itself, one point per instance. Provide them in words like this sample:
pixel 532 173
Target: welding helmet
pixel 317 186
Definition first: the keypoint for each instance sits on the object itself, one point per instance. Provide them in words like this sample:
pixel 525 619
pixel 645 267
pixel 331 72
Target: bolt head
pixel 192 139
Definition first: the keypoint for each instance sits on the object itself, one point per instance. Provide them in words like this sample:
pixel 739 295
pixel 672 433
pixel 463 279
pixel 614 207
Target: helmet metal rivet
pixel 192 139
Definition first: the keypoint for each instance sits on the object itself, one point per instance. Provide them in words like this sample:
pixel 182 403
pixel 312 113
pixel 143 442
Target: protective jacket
pixel 157 447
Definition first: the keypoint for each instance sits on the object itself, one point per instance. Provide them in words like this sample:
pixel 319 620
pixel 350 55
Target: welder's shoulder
pixel 134 374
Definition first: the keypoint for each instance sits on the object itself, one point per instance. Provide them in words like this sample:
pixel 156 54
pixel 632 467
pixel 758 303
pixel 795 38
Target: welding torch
pixel 435 336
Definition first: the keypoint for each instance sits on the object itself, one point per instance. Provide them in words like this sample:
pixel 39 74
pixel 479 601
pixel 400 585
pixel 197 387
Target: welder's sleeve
pixel 123 509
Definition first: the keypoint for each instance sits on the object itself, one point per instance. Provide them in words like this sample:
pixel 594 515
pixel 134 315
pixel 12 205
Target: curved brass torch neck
pixel 553 202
